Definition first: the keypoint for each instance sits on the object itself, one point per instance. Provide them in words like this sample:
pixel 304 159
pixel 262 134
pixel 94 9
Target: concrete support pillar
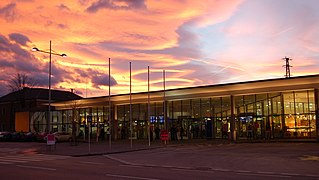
pixel 232 119
pixel 317 113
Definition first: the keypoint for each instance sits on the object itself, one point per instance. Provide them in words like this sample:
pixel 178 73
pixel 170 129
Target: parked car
pixel 16 136
pixel 41 136
pixel 29 136
pixel 4 136
pixel 61 136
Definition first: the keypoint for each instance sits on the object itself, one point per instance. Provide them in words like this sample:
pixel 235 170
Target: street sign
pixel 50 139
pixel 164 135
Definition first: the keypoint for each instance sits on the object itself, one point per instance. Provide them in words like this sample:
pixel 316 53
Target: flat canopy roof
pixel 241 88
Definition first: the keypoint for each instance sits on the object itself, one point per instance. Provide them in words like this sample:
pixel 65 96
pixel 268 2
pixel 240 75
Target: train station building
pixel 284 108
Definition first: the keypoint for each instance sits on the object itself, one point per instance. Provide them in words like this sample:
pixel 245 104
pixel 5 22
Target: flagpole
pixel 110 121
pixel 165 118
pixel 131 125
pixel 148 106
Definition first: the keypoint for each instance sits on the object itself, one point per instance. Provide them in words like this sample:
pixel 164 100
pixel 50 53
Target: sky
pixel 197 43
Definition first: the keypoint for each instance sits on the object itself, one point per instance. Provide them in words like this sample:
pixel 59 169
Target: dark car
pixel 4 136
pixel 41 136
pixel 15 136
pixel 29 137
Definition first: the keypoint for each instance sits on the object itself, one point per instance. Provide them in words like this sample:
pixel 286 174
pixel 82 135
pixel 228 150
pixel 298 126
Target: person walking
pixel 157 133
pixel 181 131
pixel 102 134
pixel 108 132
pixel 250 131
pixel 268 131
pixel 225 131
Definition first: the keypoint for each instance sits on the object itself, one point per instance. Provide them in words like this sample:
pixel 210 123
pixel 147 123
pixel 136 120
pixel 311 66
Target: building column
pixel 317 113
pixel 232 119
pixel 114 123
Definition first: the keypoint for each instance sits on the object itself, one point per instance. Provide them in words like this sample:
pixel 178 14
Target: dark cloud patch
pixel 49 23
pixel 103 80
pixel 18 58
pixel 62 26
pixel 3 89
pixel 56 24
pixel 82 73
pixel 116 5
pixel 19 38
pixel 85 48
pixel 188 44
pixel 5 63
pixel 15 59
pixel 4 42
pixel 60 74
pixel 139 36
pixel 63 7
pixel 8 12
pixel 41 79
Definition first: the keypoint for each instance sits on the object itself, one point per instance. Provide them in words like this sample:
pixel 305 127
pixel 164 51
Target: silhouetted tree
pixel 19 81
pixel 75 106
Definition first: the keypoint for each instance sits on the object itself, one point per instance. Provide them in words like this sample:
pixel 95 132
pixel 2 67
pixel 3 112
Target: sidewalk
pixel 119 146
pixel 99 148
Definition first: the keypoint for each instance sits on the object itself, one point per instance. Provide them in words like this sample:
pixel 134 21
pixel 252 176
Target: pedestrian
pixel 102 134
pixel 225 130
pixel 190 130
pixel 123 135
pixel 249 131
pixel 267 130
pixel 172 131
pixel 151 133
pixel 108 133
pixel 181 131
pixel 157 133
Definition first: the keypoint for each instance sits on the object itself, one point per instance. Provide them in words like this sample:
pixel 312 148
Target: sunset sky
pixel 197 43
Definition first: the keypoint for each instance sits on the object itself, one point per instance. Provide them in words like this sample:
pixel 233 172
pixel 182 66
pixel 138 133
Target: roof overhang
pixel 241 88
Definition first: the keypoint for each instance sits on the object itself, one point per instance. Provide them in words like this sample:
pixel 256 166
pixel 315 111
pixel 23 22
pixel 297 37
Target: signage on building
pixel 50 139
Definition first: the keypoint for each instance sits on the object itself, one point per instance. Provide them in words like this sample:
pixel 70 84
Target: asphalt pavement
pixel 113 147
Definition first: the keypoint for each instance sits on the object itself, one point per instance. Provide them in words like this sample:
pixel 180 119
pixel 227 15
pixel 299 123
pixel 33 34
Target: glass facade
pixel 287 114
pixel 269 115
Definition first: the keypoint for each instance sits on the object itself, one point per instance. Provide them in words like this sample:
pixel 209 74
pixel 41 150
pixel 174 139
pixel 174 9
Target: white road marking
pixel 12 160
pixel 29 158
pixel 19 158
pixel 312 175
pixel 290 174
pixel 37 167
pixel 88 162
pixel 193 170
pixel 53 156
pixel 265 172
pixel 121 161
pixel 223 170
pixel 130 177
pixel 265 175
pixel 5 163
pixel 242 171
pixel 135 166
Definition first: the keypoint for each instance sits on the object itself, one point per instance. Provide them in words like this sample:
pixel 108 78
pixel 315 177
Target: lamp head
pixel 35 49
pixel 63 55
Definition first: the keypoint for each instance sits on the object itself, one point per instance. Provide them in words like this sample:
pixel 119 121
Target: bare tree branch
pixel 19 81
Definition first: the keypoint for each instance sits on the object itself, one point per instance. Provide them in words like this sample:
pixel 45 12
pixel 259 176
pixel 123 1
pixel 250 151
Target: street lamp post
pixel 50 62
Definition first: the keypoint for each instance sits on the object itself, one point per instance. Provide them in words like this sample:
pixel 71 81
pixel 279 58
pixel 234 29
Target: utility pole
pixel 287 66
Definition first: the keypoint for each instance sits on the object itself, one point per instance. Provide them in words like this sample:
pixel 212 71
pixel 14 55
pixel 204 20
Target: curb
pixel 115 152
